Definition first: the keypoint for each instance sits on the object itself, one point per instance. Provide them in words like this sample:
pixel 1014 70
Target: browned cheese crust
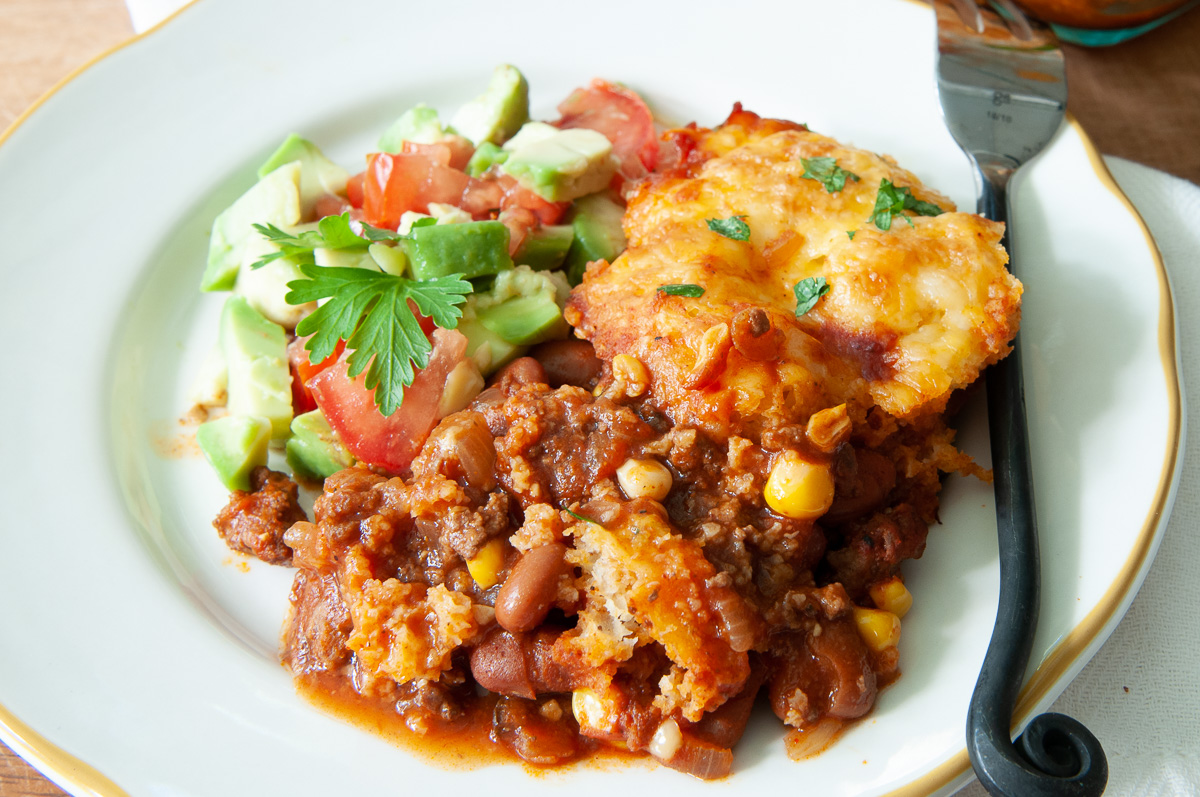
pixel 913 313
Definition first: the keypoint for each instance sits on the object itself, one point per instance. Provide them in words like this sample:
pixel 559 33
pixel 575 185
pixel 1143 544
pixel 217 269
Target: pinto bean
pixel 724 725
pixel 531 587
pixel 521 727
pixel 519 664
pixel 825 673
pixel 521 371
pixel 568 362
pixel 844 657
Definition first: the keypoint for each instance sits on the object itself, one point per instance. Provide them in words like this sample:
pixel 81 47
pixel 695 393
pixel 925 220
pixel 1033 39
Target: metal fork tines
pixel 1002 82
pixel 1003 91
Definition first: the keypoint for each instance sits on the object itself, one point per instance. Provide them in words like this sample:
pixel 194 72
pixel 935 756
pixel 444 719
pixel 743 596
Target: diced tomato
pixel 482 197
pixel 519 222
pixel 298 356
pixel 392 442
pixel 303 370
pixel 452 151
pixel 517 197
pixel 395 184
pixel 622 117
pixel 331 205
pixel 354 190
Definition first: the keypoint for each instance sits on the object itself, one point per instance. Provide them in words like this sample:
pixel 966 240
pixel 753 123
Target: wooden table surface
pixel 1140 100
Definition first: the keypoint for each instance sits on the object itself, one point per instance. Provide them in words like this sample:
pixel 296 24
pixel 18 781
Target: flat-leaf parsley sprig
pixel 892 199
pixel 371 312
pixel 808 292
pixel 333 232
pixel 826 172
pixel 734 228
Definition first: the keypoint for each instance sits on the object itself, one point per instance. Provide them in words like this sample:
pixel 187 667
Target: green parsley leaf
pixel 371 312
pixel 892 199
pixel 735 227
pixel 827 173
pixel 333 232
pixel 684 289
pixel 850 234
pixel 578 516
pixel 808 291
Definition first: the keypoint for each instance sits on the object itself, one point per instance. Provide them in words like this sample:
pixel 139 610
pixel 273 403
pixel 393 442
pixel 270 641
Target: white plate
pixel 137 656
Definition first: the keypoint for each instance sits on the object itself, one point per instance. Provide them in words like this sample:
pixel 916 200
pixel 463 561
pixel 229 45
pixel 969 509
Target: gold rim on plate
pixel 85 779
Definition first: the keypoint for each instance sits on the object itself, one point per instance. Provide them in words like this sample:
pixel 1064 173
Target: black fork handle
pixel 1056 756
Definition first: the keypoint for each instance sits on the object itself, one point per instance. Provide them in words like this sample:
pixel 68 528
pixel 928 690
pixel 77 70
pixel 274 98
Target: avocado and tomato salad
pixel 363 307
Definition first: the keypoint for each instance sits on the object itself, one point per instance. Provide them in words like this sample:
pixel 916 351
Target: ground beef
pixel 254 522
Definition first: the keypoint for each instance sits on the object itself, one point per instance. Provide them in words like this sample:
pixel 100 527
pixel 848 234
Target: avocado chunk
pixel 473 249
pixel 389 259
pixel 235 445
pixel 344 258
pixel 524 306
pixel 497 114
pixel 530 133
pixel 275 199
pixel 596 221
pixel 314 451
pixel 545 248
pixel 565 166
pixel 485 347
pixel 255 350
pixel 318 174
pixel 524 320
pixel 485 157
pixel 266 287
pixel 419 124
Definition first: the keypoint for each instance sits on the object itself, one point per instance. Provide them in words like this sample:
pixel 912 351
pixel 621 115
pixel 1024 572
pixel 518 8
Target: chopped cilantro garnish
pixel 850 234
pixel 827 173
pixel 578 516
pixel 333 232
pixel 685 289
pixel 892 199
pixel 734 228
pixel 808 291
pixel 371 312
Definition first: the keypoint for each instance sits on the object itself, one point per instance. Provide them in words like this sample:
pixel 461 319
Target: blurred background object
pixel 1103 23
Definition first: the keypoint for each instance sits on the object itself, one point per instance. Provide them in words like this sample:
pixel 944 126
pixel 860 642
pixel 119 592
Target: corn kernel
pixel 797 488
pixel 593 715
pixel 829 428
pixel 645 478
pixel 485 565
pixel 880 630
pixel 631 374
pixel 892 596
pixel 666 741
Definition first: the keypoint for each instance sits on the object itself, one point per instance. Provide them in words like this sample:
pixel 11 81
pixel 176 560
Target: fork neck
pixel 991 180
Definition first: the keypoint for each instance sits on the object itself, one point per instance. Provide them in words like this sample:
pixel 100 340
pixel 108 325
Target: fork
pixel 1003 91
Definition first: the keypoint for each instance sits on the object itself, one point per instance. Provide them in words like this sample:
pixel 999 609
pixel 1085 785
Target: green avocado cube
pixel 486 156
pixel 498 113
pixel 525 320
pixel 419 124
pixel 255 351
pixel 235 445
pixel 545 248
pixel 485 347
pixel 473 249
pixel 596 221
pixel 565 166
pixel 318 175
pixel 314 451
pixel 275 199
